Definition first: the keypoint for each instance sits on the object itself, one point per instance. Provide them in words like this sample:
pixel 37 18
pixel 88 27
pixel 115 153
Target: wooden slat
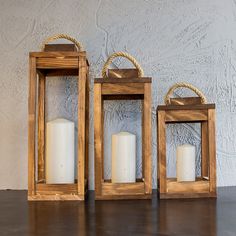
pixel 122 188
pixel 186 115
pixel 59 72
pixel 185 101
pixel 200 186
pixel 31 126
pixel 204 149
pixel 57 54
pixel 147 138
pixel 98 138
pixel 122 73
pixel 60 48
pixel 87 120
pixel 186 107
pixel 161 137
pixel 56 197
pixel 124 197
pixel 186 195
pixel 123 80
pixel 50 189
pixel 102 135
pixel 41 127
pixel 212 150
pixel 127 88
pixel 123 97
pixel 143 146
pixel 57 63
pixel 81 123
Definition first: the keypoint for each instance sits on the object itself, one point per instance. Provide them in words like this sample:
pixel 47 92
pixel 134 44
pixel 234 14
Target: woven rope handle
pixel 62 36
pixel 121 54
pixel 184 85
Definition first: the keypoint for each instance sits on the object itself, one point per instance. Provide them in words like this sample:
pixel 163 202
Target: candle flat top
pixel 187 145
pixel 124 133
pixel 60 120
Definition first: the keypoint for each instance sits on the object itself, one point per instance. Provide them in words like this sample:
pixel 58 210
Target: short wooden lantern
pixel 56 60
pixel 122 84
pixel 181 110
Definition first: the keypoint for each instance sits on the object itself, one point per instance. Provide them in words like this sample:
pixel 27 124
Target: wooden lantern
pixel 126 84
pixel 180 110
pixel 56 60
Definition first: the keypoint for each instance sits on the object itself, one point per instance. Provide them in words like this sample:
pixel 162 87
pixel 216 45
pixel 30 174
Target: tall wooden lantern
pixel 187 110
pixel 122 84
pixel 56 60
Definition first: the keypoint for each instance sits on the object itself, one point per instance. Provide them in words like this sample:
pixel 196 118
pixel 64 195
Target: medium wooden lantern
pixel 122 84
pixel 191 110
pixel 56 60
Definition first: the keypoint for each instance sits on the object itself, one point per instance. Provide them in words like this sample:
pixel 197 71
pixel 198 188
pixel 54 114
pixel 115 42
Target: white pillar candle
pixel 60 152
pixel 123 158
pixel 185 162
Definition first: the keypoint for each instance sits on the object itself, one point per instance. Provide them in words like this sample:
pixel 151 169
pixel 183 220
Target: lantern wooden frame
pixel 122 84
pixel 182 110
pixel 56 60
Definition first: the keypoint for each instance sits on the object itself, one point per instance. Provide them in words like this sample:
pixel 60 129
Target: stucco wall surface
pixel 174 40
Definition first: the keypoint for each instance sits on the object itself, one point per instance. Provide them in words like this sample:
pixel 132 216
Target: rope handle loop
pixel 121 54
pixel 184 85
pixel 62 36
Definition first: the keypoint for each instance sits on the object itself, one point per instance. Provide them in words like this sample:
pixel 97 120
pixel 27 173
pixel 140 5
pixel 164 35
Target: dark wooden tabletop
pixel 140 217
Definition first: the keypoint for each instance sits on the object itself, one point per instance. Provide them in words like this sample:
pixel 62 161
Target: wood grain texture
pixel 143 143
pixel 60 47
pixel 212 150
pixel 98 139
pixel 122 188
pixel 119 88
pixel 204 150
pixel 50 189
pixel 123 97
pixel 41 127
pixel 124 197
pixel 56 197
pixel 147 137
pixel 185 101
pixel 186 115
pixel 198 186
pixel 161 145
pixel 57 54
pixel 122 73
pixel 123 80
pixel 31 125
pixel 186 195
pixel 60 72
pixel 57 63
pixel 81 123
pixel 87 121
pixel 186 107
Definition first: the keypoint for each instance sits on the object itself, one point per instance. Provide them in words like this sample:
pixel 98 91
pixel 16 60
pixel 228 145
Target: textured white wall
pixel 174 40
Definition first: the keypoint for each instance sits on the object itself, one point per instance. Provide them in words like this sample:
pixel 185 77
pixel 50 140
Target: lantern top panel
pixel 186 107
pixel 120 76
pixel 57 54
pixel 60 47
pixel 123 80
pixel 59 60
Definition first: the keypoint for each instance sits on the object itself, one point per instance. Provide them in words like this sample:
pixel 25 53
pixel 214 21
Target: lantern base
pixel 188 189
pixel 56 197
pixel 124 197
pixel 57 192
pixel 119 191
